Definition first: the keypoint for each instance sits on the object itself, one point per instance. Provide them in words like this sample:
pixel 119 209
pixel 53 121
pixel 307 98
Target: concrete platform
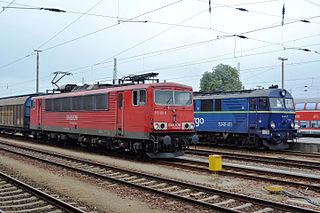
pixel 306 144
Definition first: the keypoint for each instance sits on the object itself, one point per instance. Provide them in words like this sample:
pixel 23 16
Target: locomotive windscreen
pixel 172 97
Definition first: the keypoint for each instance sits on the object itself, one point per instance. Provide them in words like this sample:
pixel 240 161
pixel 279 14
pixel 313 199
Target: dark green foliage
pixel 223 77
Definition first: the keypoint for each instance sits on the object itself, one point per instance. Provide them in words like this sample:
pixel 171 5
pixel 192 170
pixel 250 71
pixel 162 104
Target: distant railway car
pixel 155 119
pixel 308 116
pixel 250 118
pixel 15 113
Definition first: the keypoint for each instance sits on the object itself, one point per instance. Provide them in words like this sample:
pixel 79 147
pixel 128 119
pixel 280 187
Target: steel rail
pixel 286 152
pixel 239 197
pixel 258 158
pixel 229 171
pixel 42 195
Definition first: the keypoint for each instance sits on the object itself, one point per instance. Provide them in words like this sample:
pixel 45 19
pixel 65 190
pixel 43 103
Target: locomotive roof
pixel 112 89
pixel 241 94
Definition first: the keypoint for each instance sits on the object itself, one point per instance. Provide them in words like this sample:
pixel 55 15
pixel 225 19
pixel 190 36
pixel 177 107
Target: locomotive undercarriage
pixel 251 141
pixel 159 146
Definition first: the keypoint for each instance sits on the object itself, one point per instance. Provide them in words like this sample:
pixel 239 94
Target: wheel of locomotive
pixel 242 142
pixel 258 144
pixel 212 140
pixel 231 142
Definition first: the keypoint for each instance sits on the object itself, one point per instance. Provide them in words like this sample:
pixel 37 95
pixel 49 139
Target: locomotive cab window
pixel 289 103
pixel 207 105
pixel 253 103
pixel 277 103
pixel 263 104
pixel 172 98
pixel 139 97
pixel 217 105
pixel 182 98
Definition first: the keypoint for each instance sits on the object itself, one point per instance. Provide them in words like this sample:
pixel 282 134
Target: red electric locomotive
pixel 155 119
pixel 308 116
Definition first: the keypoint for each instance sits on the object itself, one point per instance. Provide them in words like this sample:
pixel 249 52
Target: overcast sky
pixel 179 39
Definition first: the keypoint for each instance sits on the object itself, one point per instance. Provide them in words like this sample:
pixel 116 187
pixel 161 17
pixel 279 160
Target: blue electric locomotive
pixel 249 118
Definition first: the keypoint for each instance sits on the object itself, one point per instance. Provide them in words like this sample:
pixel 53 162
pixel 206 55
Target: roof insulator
pixel 53 10
pixel 242 36
pixel 305 21
pixel 242 9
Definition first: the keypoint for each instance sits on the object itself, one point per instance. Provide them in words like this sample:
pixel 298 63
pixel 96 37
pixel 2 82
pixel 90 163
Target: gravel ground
pixel 248 187
pixel 72 188
pixel 301 170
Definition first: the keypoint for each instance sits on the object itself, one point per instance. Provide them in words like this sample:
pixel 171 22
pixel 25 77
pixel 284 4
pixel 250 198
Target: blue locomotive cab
pixel 249 118
pixel 275 126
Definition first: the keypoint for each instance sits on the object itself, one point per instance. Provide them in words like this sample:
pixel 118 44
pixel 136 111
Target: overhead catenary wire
pixel 68 25
pixel 150 38
pixel 226 34
pixel 111 26
pixel 88 34
pixel 264 28
pixel 311 2
pixel 150 54
pixel 4 8
pixel 16 60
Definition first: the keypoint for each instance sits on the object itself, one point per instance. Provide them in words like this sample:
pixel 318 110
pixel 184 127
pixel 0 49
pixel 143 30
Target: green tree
pixel 223 77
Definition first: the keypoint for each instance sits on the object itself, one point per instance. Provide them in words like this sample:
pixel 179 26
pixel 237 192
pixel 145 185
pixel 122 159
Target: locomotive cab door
pixel 39 118
pixel 252 115
pixel 262 116
pixel 119 125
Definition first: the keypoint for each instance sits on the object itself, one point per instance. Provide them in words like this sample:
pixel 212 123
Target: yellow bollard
pixel 215 164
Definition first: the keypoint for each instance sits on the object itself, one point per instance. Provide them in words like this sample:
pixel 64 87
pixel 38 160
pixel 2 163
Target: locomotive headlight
pixel 273 125
pixel 292 125
pixel 156 126
pixel 283 92
pixel 187 126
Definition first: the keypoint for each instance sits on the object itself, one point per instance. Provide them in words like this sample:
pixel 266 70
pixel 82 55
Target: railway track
pixel 218 200
pixel 262 152
pixel 249 173
pixel 306 164
pixel 16 196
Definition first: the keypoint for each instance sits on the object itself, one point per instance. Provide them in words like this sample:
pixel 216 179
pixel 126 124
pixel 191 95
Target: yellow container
pixel 215 162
